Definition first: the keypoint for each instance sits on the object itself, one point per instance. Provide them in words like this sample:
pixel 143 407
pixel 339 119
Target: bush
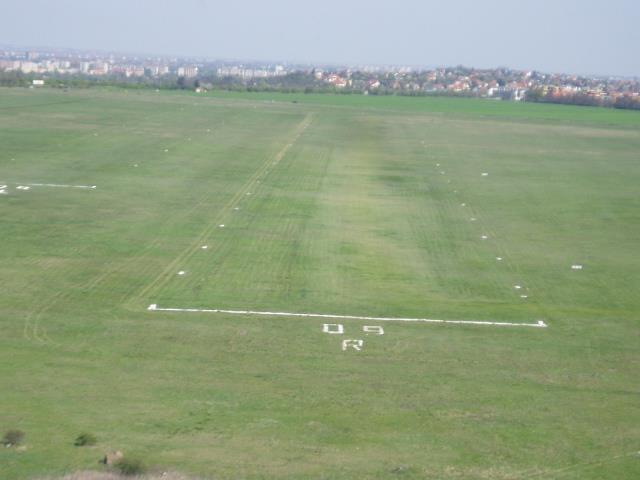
pixel 85 439
pixel 129 466
pixel 12 437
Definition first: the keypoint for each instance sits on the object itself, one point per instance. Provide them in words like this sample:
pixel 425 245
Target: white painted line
pixel 154 308
pixel 576 267
pixel 181 272
pixel 57 185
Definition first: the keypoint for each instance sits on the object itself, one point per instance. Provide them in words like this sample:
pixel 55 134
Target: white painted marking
pixel 499 259
pixel 56 185
pixel 181 272
pixel 3 191
pixel 373 329
pixel 355 344
pixel 517 287
pixel 236 208
pixel 524 296
pixel 204 247
pixel 576 267
pixel 345 317
pixel 221 225
pixel 333 328
pixel 473 219
pixel 484 237
pixel 485 174
pixel 166 150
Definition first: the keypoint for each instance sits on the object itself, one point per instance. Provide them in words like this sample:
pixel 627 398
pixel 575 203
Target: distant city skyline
pixel 563 36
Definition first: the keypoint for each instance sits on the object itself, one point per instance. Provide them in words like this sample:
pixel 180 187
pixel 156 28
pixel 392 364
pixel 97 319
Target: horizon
pixel 571 39
pixel 186 56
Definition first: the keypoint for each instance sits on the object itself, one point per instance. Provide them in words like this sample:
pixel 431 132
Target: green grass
pixel 463 107
pixel 349 215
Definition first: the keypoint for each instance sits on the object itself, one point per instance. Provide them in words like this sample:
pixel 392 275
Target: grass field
pixel 344 205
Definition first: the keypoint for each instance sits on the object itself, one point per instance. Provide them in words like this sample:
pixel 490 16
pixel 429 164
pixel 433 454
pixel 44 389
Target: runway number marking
pixel 355 344
pixel 333 328
pixel 377 330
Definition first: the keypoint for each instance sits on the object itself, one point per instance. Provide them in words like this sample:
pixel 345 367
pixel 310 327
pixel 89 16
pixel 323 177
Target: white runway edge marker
pixel 154 308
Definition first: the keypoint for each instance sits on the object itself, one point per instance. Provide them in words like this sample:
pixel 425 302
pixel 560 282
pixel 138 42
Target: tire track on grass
pixel 165 276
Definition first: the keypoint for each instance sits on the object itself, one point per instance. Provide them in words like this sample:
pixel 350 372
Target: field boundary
pixel 154 308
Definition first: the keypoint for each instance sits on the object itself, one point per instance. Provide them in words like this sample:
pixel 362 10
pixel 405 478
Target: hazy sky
pixel 585 36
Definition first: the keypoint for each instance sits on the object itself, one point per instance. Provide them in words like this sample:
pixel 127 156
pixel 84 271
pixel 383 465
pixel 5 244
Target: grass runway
pixel 340 205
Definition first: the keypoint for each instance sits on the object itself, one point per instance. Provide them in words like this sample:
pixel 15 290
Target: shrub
pixel 129 466
pixel 85 439
pixel 12 437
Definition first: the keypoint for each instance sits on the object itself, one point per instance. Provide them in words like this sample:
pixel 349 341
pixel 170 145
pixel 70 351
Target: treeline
pixel 20 79
pixel 298 82
pixel 626 102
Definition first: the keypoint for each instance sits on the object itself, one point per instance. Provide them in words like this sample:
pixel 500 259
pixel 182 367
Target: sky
pixel 559 36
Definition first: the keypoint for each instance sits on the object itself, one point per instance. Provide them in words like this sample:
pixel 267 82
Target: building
pixel 188 71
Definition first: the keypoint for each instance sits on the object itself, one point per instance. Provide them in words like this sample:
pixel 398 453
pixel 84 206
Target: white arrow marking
pixel 154 307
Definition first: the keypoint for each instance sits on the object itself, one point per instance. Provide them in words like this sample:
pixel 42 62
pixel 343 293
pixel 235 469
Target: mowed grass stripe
pixel 394 216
